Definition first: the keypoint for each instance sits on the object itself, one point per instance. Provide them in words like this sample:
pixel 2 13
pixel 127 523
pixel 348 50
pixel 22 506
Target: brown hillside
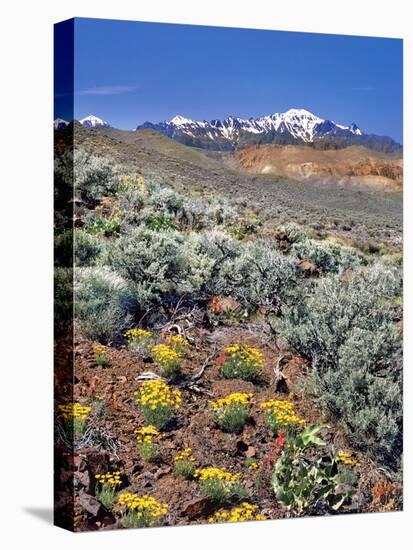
pixel 352 164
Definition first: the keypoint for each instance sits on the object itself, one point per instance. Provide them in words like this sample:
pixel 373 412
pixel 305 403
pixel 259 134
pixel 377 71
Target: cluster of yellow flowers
pixel 243 512
pixel 112 479
pixel 117 214
pixel 164 355
pixel 145 505
pixel 231 399
pixel 212 473
pixel 156 393
pixel 185 456
pixel 178 343
pixel 140 182
pixel 74 410
pixel 246 354
pixel 283 412
pixel 138 333
pixel 253 466
pixel 129 181
pixel 146 434
pixel 346 459
pixel 99 349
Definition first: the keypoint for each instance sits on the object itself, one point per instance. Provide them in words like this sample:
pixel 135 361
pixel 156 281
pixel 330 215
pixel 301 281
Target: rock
pixel 196 507
pixel 90 504
pixel 251 451
pixel 309 269
pixel 98 462
pixel 82 479
pixel 223 304
pixel 163 472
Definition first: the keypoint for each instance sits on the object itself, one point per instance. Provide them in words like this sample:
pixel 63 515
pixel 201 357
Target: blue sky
pixel 129 72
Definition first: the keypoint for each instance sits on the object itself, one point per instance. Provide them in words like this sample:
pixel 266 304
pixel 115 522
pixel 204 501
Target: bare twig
pixel 205 364
pixel 149 375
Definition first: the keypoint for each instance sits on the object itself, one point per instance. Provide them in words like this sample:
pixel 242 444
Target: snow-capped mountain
pixel 93 121
pixel 295 125
pixel 90 121
pixel 59 123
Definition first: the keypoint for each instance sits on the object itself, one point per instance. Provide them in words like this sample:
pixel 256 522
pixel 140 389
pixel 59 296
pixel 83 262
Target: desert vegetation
pixel 227 369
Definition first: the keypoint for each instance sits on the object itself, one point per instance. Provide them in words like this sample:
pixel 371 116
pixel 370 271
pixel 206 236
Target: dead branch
pixel 149 375
pixel 279 378
pixel 205 364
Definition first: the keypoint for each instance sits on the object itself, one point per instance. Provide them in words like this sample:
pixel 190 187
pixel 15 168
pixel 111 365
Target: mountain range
pixel 90 121
pixel 293 127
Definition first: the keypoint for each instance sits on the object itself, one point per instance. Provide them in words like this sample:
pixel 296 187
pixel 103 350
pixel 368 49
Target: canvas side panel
pixel 63 273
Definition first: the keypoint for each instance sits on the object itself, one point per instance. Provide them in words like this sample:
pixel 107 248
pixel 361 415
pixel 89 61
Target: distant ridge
pixel 90 121
pixel 295 126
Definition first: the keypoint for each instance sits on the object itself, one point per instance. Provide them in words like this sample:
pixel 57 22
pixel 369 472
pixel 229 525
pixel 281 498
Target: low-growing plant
pixel 158 402
pixel 230 413
pixel 306 481
pixel 386 496
pixel 140 511
pixel 344 457
pixel 281 415
pixel 75 416
pixel 178 343
pixel 185 463
pixel 241 513
pixel 292 232
pixel 101 357
pixel 242 361
pixel 160 223
pixel 104 303
pixel 140 340
pixel 252 464
pixel 167 358
pixel 106 487
pixel 219 485
pixel 107 225
pixel 148 449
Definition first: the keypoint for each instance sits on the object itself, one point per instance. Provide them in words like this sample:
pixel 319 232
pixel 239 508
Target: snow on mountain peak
pixel 300 113
pixel 179 120
pixel 93 121
pixel 59 123
pixel 290 126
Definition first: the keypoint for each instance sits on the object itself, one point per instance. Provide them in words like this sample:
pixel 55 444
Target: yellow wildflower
pixel 243 512
pixel 282 414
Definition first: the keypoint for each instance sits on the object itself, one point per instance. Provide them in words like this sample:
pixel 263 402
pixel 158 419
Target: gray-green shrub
pixel 87 248
pixel 329 256
pixel 63 300
pixel 154 261
pixel 104 303
pixel 94 177
pixel 346 326
pixel 259 276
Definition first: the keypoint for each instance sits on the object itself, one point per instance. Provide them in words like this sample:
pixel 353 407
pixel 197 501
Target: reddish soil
pixel 114 411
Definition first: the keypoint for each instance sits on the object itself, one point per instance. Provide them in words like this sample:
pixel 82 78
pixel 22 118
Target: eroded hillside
pixel 350 165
